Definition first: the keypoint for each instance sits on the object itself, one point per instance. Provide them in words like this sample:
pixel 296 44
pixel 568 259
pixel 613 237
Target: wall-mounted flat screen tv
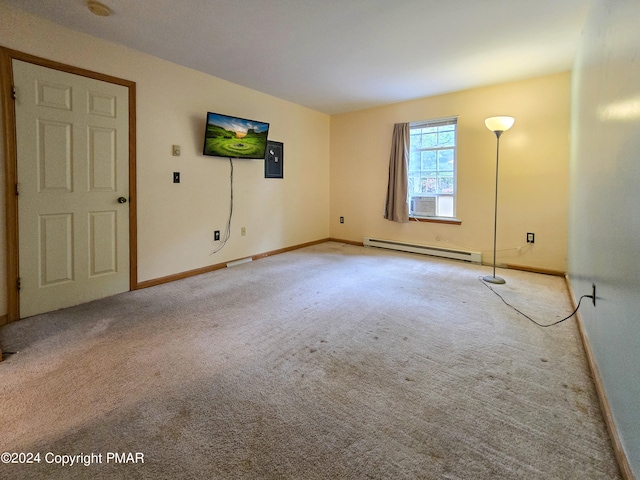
pixel 234 137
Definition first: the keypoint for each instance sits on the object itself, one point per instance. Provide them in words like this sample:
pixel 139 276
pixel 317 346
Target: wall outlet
pixel 531 237
pixel 243 231
pixel 341 219
pixel 216 235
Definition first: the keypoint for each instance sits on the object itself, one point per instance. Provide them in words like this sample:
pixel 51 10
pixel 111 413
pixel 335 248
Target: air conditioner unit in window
pixel 423 206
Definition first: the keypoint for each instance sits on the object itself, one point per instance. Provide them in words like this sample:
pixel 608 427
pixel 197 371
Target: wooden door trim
pixel 11 164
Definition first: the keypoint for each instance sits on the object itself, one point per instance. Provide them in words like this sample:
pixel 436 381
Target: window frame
pixel 432 123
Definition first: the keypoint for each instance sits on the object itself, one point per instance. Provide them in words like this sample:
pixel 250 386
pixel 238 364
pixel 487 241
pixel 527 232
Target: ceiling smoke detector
pixel 98 8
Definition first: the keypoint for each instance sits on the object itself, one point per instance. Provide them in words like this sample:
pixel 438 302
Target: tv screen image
pixel 234 137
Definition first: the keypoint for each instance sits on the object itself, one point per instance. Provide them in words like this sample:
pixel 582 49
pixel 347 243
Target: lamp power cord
pixel 527 316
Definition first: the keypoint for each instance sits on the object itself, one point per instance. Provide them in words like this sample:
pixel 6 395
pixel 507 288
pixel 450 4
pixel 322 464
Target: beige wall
pixel 176 222
pixel 533 172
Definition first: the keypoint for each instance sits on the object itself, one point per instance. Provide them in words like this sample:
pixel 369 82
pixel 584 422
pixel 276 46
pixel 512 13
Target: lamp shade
pixel 499 124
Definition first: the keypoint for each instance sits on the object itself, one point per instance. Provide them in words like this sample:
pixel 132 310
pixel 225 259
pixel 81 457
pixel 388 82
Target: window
pixel 432 168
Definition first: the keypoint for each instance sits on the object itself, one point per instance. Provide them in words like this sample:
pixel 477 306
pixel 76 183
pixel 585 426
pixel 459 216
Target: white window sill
pixel 447 220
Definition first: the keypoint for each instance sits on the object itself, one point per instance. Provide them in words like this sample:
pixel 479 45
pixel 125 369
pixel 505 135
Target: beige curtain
pixel 396 208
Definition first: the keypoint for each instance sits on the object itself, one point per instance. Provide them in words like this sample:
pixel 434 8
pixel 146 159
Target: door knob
pixel 122 200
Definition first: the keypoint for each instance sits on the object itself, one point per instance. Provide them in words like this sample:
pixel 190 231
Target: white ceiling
pixel 341 55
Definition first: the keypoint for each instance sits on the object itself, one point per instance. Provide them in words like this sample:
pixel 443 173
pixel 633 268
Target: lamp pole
pixel 494 279
pixel 497 125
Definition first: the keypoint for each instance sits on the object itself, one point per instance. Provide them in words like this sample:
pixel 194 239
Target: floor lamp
pixel 497 125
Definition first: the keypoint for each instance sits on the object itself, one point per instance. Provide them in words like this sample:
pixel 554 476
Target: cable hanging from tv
pixel 227 234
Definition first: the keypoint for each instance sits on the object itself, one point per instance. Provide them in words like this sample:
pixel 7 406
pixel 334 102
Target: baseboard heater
pixel 473 257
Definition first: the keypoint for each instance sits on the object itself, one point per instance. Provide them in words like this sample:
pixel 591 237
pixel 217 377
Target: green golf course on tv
pixel 234 137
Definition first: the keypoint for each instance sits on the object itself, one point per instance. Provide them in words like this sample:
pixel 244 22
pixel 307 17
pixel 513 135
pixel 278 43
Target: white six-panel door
pixel 72 135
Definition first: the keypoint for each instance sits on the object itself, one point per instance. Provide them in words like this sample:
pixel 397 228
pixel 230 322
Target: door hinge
pixel 14 93
pixel 17 189
pixel 18 283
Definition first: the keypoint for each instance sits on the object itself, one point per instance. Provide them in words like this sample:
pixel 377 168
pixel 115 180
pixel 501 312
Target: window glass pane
pixel 414 140
pixel 445 206
pixel 414 161
pixel 429 140
pixel 445 183
pixel 429 185
pixel 445 160
pixel 414 185
pixel 446 139
pixel 429 160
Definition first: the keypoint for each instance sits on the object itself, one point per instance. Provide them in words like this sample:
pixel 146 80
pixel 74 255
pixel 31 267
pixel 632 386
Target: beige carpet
pixel 329 362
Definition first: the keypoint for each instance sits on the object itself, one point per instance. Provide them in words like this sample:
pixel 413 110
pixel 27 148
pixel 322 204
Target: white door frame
pixel 11 162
